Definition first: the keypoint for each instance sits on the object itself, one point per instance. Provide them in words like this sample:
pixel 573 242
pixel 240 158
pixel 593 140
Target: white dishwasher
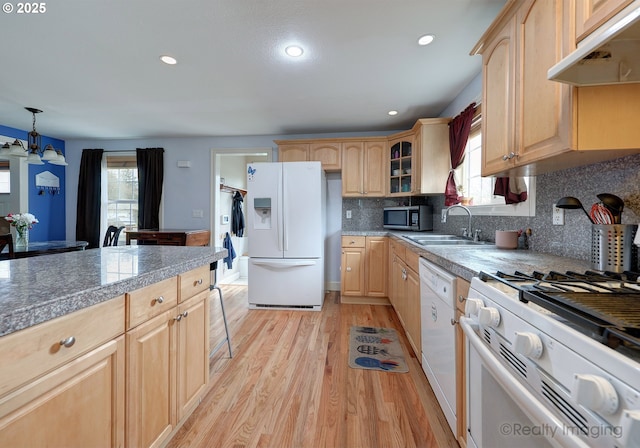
pixel 437 310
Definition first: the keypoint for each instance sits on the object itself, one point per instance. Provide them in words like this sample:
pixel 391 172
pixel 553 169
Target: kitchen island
pixel 115 340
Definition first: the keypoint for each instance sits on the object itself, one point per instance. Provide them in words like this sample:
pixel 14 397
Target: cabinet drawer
pixel 397 249
pixel 193 282
pixel 147 302
pixel 413 260
pixel 29 353
pixel 353 241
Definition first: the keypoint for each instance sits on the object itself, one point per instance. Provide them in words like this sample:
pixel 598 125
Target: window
pixel 469 179
pixel 120 192
pixel 5 177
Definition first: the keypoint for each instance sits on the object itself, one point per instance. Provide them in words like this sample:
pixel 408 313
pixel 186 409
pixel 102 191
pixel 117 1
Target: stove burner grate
pixel 607 304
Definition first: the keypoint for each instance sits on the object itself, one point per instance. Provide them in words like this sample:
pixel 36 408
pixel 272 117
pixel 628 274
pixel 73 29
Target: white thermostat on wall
pixel 224 219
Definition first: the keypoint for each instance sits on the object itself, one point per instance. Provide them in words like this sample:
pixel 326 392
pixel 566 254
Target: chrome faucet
pixel 468 231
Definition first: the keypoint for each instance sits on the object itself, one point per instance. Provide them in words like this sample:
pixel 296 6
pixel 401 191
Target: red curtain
pixel 459 129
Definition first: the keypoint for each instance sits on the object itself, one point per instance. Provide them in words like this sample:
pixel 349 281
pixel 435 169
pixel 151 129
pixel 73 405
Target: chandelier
pixel 34 152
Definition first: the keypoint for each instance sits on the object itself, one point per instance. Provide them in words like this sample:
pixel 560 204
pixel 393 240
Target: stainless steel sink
pixel 444 240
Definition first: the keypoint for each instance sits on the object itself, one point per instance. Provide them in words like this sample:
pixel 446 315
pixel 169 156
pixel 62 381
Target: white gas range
pixel 553 360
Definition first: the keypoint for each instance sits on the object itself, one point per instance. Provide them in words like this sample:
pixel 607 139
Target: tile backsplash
pixel 620 177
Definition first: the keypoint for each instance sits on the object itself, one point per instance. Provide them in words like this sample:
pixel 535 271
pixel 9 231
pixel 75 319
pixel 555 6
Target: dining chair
pixel 7 240
pixel 111 237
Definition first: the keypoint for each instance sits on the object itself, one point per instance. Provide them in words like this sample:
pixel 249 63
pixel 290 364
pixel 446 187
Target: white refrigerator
pixel 285 210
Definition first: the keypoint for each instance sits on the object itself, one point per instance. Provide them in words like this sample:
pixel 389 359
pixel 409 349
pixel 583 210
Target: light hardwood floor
pixel 289 384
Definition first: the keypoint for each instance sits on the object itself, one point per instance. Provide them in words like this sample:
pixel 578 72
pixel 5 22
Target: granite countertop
pixel 37 289
pixel 468 261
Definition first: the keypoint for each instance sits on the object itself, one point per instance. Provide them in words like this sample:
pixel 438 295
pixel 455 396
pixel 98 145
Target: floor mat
pixel 376 349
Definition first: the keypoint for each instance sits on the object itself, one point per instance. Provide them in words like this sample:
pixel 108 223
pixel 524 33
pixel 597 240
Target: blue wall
pixel 48 208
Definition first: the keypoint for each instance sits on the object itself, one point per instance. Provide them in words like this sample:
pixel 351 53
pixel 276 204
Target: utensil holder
pixel 612 247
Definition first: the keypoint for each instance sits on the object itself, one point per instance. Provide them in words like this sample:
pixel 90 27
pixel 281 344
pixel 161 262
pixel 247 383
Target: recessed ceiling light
pixel 168 60
pixel 426 39
pixel 393 112
pixel 294 51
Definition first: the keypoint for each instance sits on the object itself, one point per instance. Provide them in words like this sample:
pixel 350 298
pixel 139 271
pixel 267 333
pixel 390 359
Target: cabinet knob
pixel 185 314
pixel 158 300
pixel 68 342
pixel 348 269
pixel 198 282
pixel 178 318
pixel 461 298
pixel 453 321
pixel 509 156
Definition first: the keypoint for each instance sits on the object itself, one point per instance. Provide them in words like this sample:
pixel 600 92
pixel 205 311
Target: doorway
pixel 229 176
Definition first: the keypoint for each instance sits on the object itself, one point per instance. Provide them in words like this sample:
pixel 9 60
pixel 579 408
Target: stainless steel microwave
pixel 412 217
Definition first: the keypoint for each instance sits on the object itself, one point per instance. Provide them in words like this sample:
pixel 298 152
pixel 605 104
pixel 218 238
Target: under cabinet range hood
pixel 609 55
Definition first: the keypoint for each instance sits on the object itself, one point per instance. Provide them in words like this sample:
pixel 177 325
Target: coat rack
pixel 228 189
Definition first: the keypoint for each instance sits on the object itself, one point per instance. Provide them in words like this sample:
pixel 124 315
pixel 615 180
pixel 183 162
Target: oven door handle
pixel 520 395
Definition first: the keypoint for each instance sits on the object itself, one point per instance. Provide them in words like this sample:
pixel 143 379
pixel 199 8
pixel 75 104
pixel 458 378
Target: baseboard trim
pixel 352 300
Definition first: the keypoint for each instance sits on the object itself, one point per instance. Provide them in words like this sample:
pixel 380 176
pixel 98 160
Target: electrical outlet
pixel 197 213
pixel 558 216
pixel 443 216
pixel 348 214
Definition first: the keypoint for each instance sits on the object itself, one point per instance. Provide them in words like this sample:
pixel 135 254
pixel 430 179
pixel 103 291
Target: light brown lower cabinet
pixel 167 370
pixel 462 289
pixel 63 381
pixel 364 264
pixel 125 372
pixel 404 293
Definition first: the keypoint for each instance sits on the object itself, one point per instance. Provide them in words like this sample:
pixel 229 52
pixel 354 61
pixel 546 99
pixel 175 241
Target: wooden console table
pixel 170 237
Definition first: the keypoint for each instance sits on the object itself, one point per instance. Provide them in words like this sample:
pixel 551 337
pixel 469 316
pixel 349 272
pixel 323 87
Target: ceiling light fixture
pixel 169 60
pixel 426 39
pixel 392 112
pixel 294 51
pixel 34 154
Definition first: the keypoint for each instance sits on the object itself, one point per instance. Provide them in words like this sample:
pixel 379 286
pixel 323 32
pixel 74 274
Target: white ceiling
pixel 93 66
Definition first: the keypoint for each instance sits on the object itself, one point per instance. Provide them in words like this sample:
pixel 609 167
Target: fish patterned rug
pixel 376 349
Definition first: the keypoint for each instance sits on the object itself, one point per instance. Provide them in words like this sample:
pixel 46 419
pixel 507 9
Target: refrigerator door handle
pixel 279 216
pixel 285 211
pixel 284 263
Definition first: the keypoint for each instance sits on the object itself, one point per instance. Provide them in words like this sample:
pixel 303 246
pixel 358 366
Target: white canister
pixel 507 239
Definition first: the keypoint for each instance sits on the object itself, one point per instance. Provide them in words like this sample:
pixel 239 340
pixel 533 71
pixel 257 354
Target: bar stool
pixel 213 267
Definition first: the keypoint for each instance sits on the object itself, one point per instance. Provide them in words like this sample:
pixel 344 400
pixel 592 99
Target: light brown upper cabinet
pixel 326 152
pixel 293 152
pixel 403 164
pixel 591 14
pixel 419 159
pixel 363 167
pixel 432 147
pixel 531 125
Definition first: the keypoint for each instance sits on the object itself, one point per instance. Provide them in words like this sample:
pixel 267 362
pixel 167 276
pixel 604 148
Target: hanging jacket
pixel 231 254
pixel 237 217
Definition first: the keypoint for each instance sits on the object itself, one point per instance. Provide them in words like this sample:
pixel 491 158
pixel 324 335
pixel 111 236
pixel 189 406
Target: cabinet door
pixel 328 153
pixel 401 166
pixel 151 395
pixel 543 107
pixel 80 404
pixel 352 271
pixel 498 72
pixel 374 168
pixel 462 291
pixel 352 169
pixel 193 352
pixel 591 14
pixel 293 152
pixel 412 317
pixel 376 261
